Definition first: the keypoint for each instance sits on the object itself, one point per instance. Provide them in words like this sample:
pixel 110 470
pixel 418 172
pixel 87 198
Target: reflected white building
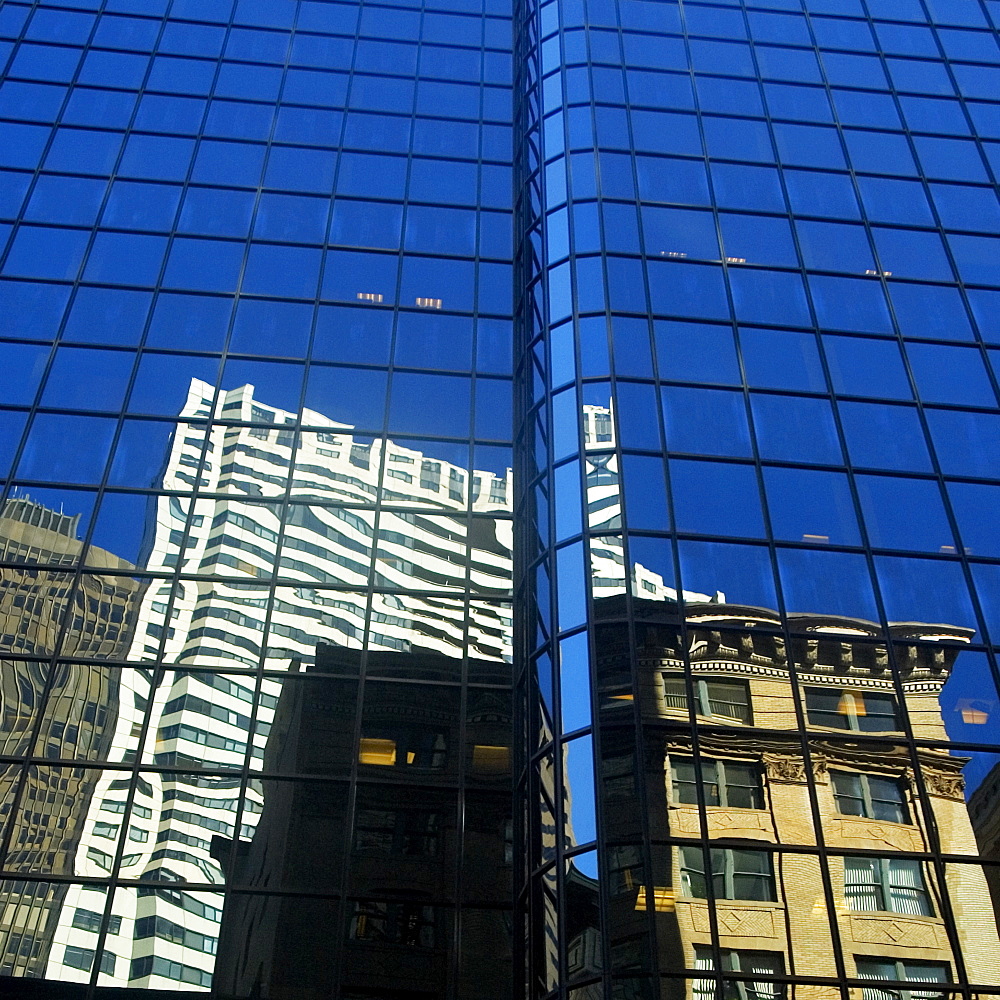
pixel 604 513
pixel 419 527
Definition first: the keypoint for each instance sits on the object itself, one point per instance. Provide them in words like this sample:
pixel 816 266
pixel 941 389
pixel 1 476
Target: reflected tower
pixel 56 713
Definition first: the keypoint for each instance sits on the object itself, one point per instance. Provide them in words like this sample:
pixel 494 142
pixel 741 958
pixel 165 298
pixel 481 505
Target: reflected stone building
pixel 792 814
pixel 769 714
pixel 68 712
pixel 984 808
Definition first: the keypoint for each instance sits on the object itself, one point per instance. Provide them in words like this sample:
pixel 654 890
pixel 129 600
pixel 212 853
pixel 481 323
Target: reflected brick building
pixel 794 752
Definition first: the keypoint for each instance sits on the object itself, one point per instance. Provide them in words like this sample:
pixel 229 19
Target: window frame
pixel 398 837
pixel 405 923
pixel 732 960
pixel 850 714
pixel 867 798
pixel 884 886
pixel 728 873
pixel 902 967
pixel 704 701
pixel 721 781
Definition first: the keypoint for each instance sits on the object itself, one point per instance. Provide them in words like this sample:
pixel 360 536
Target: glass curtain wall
pixel 255 715
pixel 757 361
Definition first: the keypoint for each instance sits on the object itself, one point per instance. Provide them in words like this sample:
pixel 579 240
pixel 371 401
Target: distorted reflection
pixel 346 733
pixel 764 783
pixel 749 737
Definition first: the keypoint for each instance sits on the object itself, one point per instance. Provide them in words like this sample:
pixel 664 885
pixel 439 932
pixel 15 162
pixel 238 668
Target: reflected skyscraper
pixel 40 609
pixel 499 499
pixel 199 720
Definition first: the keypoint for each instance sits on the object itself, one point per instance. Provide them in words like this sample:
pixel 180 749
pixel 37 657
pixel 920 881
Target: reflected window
pixel 88 920
pixel 618 773
pixel 83 958
pixel 490 759
pixel 735 874
pixel 167 930
pixel 397 831
pixel 858 711
pixel 726 783
pixel 728 699
pixel 408 923
pixel 896 969
pixel 892 885
pixel 404 746
pixel 869 795
pixel 767 963
pixel 154 965
pixel 625 868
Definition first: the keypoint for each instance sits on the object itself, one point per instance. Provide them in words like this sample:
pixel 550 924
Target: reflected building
pixel 64 712
pixel 793 749
pixel 984 808
pixel 430 748
pixel 759 802
pixel 189 704
pixel 758 793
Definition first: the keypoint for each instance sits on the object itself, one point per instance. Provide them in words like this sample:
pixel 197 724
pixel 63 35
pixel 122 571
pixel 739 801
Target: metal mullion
pixel 866 793
pixel 550 557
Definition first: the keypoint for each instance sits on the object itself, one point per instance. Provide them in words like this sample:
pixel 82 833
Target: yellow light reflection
pixel 491 760
pixel 852 701
pixel 373 751
pixel 663 899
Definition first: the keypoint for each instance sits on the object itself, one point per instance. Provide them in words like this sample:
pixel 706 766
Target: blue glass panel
pixel 777 359
pixel 950 374
pixel 706 421
pixel 793 428
pixel 716 499
pixel 853 304
pixel 839 583
pixel 805 505
pixel 860 366
pixel 696 352
pixel 67 449
pixel 904 513
pixel 271 328
pixel 107 315
pixel 66 200
pixel 966 443
pixel 727 573
pixel 46 252
pixel 189 322
pixel 930 311
pixel 358 335
pixel 769 297
pixel 137 205
pixel 21 370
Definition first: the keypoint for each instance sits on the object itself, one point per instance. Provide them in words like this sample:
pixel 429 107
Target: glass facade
pixel 500 502
pixel 756 466
pixel 256 412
